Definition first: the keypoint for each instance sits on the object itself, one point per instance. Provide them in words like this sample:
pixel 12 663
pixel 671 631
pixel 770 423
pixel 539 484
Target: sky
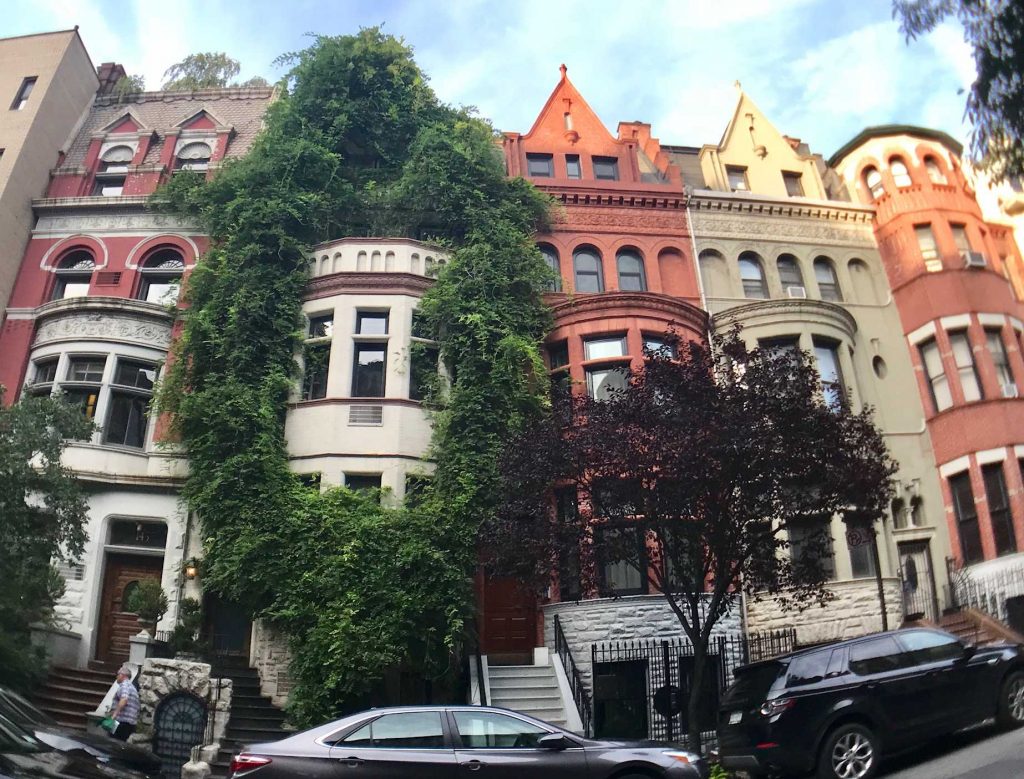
pixel 821 70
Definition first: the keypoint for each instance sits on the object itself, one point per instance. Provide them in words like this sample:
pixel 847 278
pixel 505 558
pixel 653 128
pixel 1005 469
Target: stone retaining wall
pixel 270 656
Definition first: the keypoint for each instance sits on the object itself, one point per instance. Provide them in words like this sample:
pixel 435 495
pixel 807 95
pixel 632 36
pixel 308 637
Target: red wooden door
pixel 508 619
pixel 117 625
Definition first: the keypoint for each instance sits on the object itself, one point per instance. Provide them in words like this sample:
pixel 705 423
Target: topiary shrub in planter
pixel 149 602
pixel 184 641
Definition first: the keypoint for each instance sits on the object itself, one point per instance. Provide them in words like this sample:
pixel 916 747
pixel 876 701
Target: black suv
pixel 837 709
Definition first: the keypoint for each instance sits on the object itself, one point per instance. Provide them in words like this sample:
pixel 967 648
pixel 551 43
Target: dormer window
pixel 161 277
pixel 193 156
pixel 112 171
pixel 74 274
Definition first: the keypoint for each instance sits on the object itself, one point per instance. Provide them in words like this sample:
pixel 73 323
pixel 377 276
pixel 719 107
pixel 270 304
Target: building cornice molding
pixel 104 319
pixel 567 308
pixel 370 283
pixel 706 200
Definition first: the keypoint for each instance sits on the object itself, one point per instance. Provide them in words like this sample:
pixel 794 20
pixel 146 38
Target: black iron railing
pixel 997 593
pixel 580 695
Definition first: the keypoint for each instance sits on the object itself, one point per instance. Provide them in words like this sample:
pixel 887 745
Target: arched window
pixel 113 171
pixel 752 276
pixel 74 274
pixel 551 258
pixel 873 181
pixel 790 276
pixel 934 171
pixel 828 282
pixel 161 277
pixel 631 271
pixel 899 171
pixel 587 265
pixel 193 156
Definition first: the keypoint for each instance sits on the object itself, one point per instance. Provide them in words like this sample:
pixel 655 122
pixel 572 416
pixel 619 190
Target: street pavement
pixel 981 753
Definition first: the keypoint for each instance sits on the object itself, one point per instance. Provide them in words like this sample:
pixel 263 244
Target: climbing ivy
pixel 358 144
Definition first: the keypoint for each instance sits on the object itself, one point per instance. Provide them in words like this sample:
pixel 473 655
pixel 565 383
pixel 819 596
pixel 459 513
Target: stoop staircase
pixel 70 693
pixel 531 689
pixel 976 627
pixel 254 718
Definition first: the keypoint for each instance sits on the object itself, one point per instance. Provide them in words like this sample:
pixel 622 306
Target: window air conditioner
pixel 974 260
pixel 796 292
pixel 1010 391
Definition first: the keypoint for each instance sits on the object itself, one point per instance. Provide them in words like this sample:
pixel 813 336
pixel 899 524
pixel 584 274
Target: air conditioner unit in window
pixel 933 266
pixel 796 292
pixel 1010 391
pixel 974 260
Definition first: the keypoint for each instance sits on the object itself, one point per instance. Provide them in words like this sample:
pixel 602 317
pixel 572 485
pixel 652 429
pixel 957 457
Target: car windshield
pixel 21 712
pixel 753 682
pixel 14 739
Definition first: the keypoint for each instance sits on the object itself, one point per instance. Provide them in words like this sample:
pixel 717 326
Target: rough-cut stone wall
pixel 270 656
pixel 854 612
pixel 159 678
pixel 619 619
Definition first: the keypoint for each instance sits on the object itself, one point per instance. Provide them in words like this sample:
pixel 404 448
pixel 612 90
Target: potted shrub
pixel 184 640
pixel 149 602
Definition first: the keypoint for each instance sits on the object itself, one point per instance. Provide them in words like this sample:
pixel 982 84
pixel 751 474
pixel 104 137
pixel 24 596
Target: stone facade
pixel 270 656
pixel 159 678
pixel 854 612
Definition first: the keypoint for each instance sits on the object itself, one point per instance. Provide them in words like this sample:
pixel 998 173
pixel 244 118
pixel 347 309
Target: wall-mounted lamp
pixel 191 568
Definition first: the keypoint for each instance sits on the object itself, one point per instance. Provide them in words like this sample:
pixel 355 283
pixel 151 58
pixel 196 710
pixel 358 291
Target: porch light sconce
pixel 191 569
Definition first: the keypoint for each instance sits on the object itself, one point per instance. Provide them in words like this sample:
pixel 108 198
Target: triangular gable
pixel 750 128
pixel 203 119
pixel 582 122
pixel 126 122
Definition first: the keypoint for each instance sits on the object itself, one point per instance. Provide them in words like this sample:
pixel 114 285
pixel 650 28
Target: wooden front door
pixel 117 625
pixel 508 620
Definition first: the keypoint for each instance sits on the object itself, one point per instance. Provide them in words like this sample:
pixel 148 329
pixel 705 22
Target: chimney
pixel 109 73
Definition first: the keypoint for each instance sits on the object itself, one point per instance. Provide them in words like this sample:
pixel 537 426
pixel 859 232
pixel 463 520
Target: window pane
pixel 631 272
pixel 862 558
pixel 602 383
pixel 558 354
pixel 46 371
pixel 600 348
pixel 876 656
pixel 960 238
pixel 551 258
pixel 362 481
pixel 125 532
pixel 794 184
pixel 423 370
pixel 135 374
pixel 874 181
pixel 372 323
pixel 488 730
pixel 828 283
pixel 789 272
pixel 811 543
pixel 921 647
pixel 84 398
pixel 934 171
pixel 827 358
pixel 540 165
pixel 572 166
pixel 162 291
pixel 808 669
pixel 926 241
pixel 999 508
pixel 588 272
pixel 900 174
pixel 409 730
pixel 127 422
pixel 86 369
pixel 368 371
pixel 657 345
pixel 967 517
pixel 964 357
pixel 997 349
pixel 936 375
pixel 753 278
pixel 71 287
pixel 317 364
pixel 321 326
pixel 622 576
pixel 737 178
pixel 606 168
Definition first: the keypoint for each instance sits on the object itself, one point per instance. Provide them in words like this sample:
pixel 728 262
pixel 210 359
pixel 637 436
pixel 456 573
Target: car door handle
pixel 872 686
pixel 475 765
pixel 351 762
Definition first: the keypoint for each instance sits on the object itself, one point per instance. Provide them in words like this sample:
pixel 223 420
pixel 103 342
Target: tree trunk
pixel 700 656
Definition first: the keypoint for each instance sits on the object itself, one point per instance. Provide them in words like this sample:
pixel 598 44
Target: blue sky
pixel 821 70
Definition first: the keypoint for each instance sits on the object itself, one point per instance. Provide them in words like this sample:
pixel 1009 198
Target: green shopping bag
pixel 107 723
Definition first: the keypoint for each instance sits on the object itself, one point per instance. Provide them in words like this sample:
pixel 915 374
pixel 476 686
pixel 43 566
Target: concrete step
pixel 504 671
pixel 534 682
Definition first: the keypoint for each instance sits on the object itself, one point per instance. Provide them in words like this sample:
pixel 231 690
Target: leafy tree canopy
pixel 42 514
pixel 206 70
pixel 995 105
pixel 692 474
pixel 357 145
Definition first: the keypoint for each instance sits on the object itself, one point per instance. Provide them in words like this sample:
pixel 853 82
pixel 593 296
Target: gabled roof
pixel 195 117
pixel 125 122
pixel 748 117
pixel 566 99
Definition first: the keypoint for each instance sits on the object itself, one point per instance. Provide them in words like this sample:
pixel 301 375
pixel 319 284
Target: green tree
pixel 42 517
pixel 995 105
pixel 206 70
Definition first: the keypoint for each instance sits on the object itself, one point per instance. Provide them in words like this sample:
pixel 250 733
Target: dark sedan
pixel 101 747
pixel 839 709
pixel 442 742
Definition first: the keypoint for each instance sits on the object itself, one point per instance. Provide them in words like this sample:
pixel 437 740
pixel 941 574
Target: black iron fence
pixel 641 688
pixel 1000 594
pixel 579 692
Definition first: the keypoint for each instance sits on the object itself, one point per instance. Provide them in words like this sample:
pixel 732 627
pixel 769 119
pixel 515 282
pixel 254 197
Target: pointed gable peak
pixel 568 115
pixel 751 128
pixel 203 119
pixel 126 122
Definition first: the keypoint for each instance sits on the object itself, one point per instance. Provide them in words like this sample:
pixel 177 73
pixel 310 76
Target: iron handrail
pixel 579 692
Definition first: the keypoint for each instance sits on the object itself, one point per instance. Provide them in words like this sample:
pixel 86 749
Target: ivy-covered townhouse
pixel 92 315
pixel 956 279
pixel 784 253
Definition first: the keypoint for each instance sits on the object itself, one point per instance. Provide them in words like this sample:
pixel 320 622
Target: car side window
pixel 808 669
pixel 489 730
pixel 926 647
pixel 876 656
pixel 406 730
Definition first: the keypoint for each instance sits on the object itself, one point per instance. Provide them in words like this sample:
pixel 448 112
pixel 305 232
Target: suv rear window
pixel 753 682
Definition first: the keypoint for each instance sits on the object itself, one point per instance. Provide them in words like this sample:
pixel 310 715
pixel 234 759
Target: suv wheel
pixel 1011 701
pixel 849 752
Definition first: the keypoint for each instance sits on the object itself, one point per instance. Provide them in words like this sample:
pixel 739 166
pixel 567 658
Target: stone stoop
pixel 254 718
pixel 530 689
pixel 976 627
pixel 70 693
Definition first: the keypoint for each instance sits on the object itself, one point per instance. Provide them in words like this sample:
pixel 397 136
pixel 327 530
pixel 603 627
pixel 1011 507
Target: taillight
pixel 777 706
pixel 243 762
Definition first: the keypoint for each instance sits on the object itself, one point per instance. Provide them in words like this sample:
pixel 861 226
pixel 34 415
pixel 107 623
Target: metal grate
pixel 71 572
pixel 179 725
pixel 108 278
pixel 365 415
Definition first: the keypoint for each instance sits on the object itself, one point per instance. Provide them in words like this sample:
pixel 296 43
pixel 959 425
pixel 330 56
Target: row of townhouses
pixel 892 263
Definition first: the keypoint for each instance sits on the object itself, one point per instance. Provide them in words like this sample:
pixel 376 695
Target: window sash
pixel 161 289
pixel 587 267
pixel 997 348
pixel 368 374
pixel 926 241
pixel 551 258
pixel 371 323
pixel 936 374
pixel 737 179
pixel 127 419
pixel 967 517
pixel 606 168
pixel 318 364
pixel 602 348
pixel 963 355
pixel 540 165
pixel 794 184
pixel 900 174
pixel 85 369
pixel 72 286
pixel 800 534
pixel 963 243
pixel 602 381
pixel 789 273
pixel 573 170
pixel 828 281
pixel 752 276
pixel 631 273
pixel 999 508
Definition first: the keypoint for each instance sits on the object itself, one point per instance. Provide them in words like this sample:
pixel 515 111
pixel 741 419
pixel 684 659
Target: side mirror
pixel 969 652
pixel 551 741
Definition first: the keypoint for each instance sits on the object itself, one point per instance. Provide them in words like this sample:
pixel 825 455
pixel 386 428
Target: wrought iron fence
pixel 642 687
pixel 997 594
pixel 579 693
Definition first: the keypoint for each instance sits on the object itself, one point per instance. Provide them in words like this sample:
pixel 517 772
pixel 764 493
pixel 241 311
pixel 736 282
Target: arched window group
pixel 900 173
pixel 588 270
pixel 754 284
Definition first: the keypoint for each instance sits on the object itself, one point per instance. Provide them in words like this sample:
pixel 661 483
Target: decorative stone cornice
pixel 104 319
pixel 568 308
pixel 664 198
pixel 707 200
pixel 804 313
pixel 367 283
